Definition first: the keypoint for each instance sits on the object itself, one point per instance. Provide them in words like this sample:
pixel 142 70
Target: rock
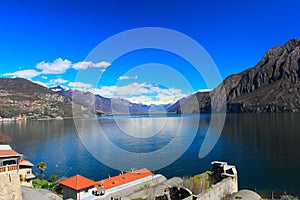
pixel 273 85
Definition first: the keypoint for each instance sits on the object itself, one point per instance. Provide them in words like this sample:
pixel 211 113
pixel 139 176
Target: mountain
pixel 22 98
pixel 108 105
pixel 272 85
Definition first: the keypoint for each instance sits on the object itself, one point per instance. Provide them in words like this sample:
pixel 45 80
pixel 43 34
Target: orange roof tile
pixel 25 163
pixel 8 153
pixel 77 182
pixel 124 178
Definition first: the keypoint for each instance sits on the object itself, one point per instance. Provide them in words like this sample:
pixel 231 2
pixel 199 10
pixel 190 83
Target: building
pixel 216 184
pixel 12 162
pixel 25 171
pixel 77 187
pixel 9 159
pixel 121 182
pixel 81 188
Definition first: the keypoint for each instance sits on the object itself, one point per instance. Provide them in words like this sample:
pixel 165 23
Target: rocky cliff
pixel 273 85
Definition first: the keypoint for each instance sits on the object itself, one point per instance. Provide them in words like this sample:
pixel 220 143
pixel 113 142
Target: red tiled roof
pixel 8 153
pixel 77 182
pixel 25 163
pixel 124 178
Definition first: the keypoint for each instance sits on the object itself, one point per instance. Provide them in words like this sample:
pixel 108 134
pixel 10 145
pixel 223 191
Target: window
pixel 9 162
pixel 86 190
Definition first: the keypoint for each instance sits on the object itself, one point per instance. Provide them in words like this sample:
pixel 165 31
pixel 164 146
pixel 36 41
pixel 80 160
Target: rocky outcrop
pixel 273 85
pixel 10 187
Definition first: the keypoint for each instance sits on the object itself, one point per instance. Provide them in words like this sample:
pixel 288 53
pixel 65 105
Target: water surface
pixel 264 147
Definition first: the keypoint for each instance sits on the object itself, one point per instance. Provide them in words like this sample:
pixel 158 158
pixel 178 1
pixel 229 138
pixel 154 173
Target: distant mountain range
pixel 108 105
pixel 273 85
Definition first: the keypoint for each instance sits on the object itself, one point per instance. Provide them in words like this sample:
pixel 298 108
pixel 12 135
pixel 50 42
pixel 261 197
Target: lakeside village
pixel 17 178
pixel 22 110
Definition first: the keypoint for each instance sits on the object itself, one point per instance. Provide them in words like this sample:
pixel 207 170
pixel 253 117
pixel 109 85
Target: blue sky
pixel 50 40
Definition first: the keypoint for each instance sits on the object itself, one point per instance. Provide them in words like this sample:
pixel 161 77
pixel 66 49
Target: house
pixel 81 188
pixel 9 159
pixel 25 171
pixel 77 187
pixel 12 162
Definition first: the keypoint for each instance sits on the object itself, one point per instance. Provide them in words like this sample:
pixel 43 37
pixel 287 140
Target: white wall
pixel 84 194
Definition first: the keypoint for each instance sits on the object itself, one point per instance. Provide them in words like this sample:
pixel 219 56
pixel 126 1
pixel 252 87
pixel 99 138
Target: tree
pixel 52 177
pixel 4 139
pixel 41 166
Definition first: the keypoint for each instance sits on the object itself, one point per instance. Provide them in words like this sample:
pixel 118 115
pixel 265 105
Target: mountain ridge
pixel 108 105
pixel 272 85
pixel 21 98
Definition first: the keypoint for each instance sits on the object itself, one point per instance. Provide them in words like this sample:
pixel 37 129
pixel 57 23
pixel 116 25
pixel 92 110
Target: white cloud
pixel 157 99
pixel 121 78
pixel 59 66
pixel 204 90
pixel 141 99
pixel 58 81
pixel 79 85
pixel 141 93
pixel 132 89
pixel 82 65
pixel 106 91
pixel 28 74
pixel 103 64
pixel 86 64
pixel 172 98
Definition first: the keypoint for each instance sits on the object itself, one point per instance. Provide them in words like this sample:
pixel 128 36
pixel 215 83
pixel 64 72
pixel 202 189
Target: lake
pixel 265 148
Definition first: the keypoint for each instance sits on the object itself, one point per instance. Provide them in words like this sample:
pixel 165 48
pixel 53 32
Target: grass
pixel 197 183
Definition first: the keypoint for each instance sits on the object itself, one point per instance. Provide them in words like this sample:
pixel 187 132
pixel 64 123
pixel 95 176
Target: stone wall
pixel 220 190
pixel 10 188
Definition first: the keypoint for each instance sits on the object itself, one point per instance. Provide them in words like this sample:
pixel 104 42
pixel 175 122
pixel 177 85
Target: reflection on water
pixel 264 147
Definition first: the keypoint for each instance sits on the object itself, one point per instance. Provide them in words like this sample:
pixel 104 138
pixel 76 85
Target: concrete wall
pixel 220 190
pixel 10 188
